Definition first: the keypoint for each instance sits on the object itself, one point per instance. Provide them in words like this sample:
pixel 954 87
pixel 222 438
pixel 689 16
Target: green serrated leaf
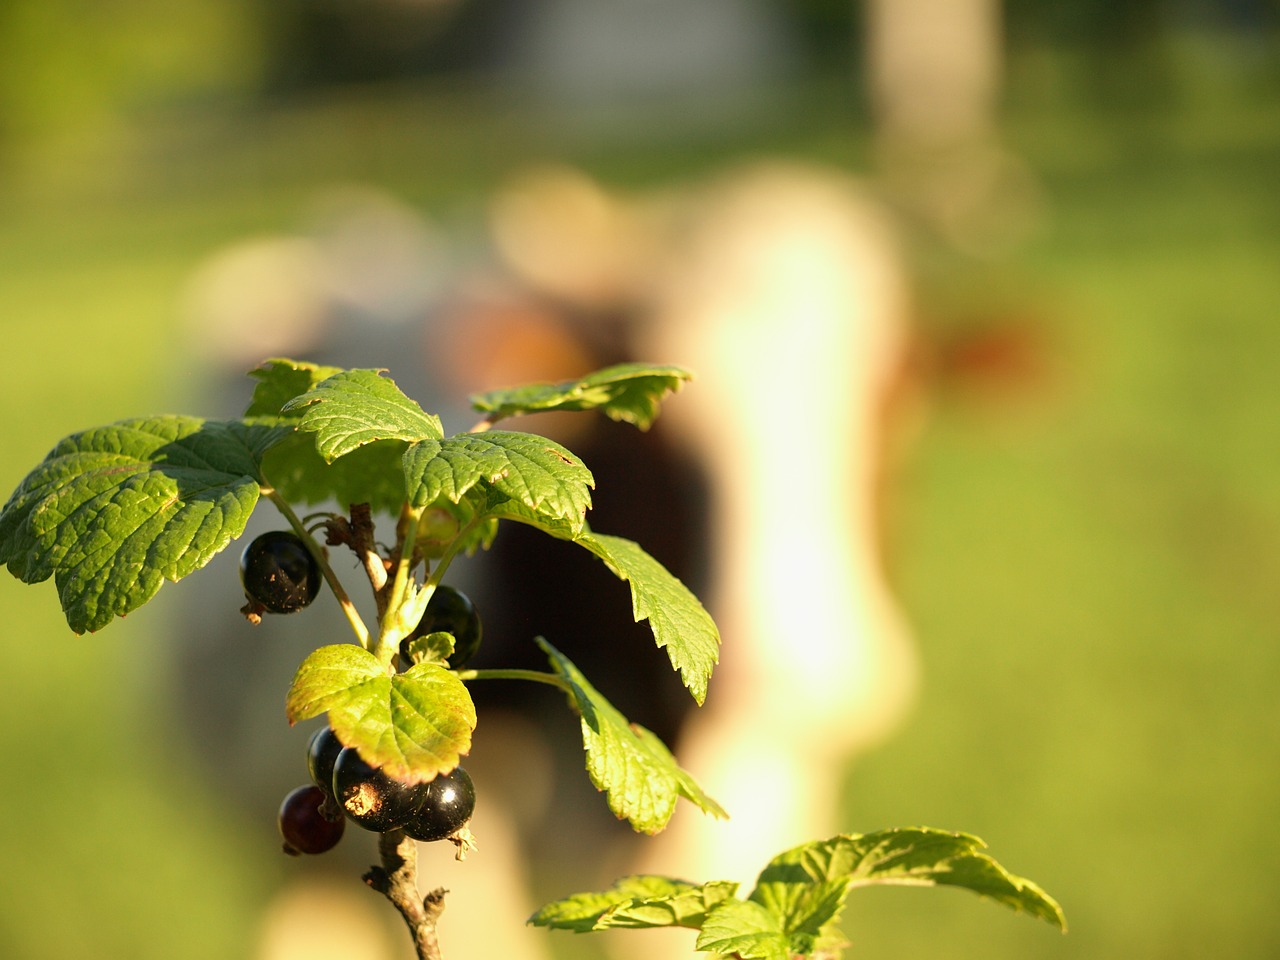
pixel 414 725
pixel 746 929
pixel 638 774
pixel 636 902
pixel 113 512
pixel 372 474
pixel 680 624
pixel 630 392
pixel 356 407
pixel 281 380
pixel 510 510
pixel 920 856
pixel 501 466
pixel 685 905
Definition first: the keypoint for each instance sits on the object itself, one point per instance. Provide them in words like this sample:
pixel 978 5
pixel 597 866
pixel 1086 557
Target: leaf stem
pixel 512 673
pixel 401 586
pixel 344 601
pixel 451 551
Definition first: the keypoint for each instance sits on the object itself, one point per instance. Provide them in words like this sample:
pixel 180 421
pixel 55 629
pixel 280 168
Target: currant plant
pixel 113 512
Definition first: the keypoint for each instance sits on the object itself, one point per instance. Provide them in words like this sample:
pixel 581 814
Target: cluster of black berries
pixel 344 787
pixel 279 575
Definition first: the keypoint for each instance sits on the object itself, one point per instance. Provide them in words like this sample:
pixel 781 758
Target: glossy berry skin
pixel 451 611
pixel 279 573
pixel 448 806
pixel 303 827
pixel 322 750
pixel 369 797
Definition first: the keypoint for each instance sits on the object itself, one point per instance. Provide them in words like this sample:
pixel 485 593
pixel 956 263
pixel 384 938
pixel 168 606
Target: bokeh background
pixel 1084 520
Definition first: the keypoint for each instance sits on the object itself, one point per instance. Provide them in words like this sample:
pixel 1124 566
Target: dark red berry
pixel 370 797
pixel 304 828
pixel 446 809
pixel 278 572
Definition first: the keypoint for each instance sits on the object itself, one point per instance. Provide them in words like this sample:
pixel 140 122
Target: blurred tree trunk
pixel 934 71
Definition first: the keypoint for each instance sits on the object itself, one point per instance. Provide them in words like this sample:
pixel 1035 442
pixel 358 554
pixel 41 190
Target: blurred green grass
pixel 1093 584
pixel 1091 579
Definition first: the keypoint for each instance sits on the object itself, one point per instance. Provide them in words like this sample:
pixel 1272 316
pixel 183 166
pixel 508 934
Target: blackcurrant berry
pixel 450 611
pixel 370 797
pixel 322 750
pixel 448 806
pixel 304 828
pixel 279 573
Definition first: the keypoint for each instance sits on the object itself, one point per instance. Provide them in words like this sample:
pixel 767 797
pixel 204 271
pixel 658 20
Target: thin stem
pixel 537 676
pixel 402 586
pixel 451 551
pixel 344 601
pixel 418 604
pixel 405 563
pixel 397 880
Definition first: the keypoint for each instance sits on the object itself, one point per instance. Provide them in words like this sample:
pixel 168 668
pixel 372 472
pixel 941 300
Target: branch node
pixel 433 903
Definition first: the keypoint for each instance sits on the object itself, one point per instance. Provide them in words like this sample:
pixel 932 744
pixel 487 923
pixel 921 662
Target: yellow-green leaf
pixel 414 725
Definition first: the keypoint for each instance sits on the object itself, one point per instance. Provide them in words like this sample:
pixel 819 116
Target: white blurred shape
pixel 787 300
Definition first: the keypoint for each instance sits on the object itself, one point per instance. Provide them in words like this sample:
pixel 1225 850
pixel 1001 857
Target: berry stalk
pixel 344 601
pixel 394 625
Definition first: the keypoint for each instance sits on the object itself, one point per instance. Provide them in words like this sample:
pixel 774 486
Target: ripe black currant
pixel 447 807
pixel 279 573
pixel 449 611
pixel 370 797
pixel 304 828
pixel 322 750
